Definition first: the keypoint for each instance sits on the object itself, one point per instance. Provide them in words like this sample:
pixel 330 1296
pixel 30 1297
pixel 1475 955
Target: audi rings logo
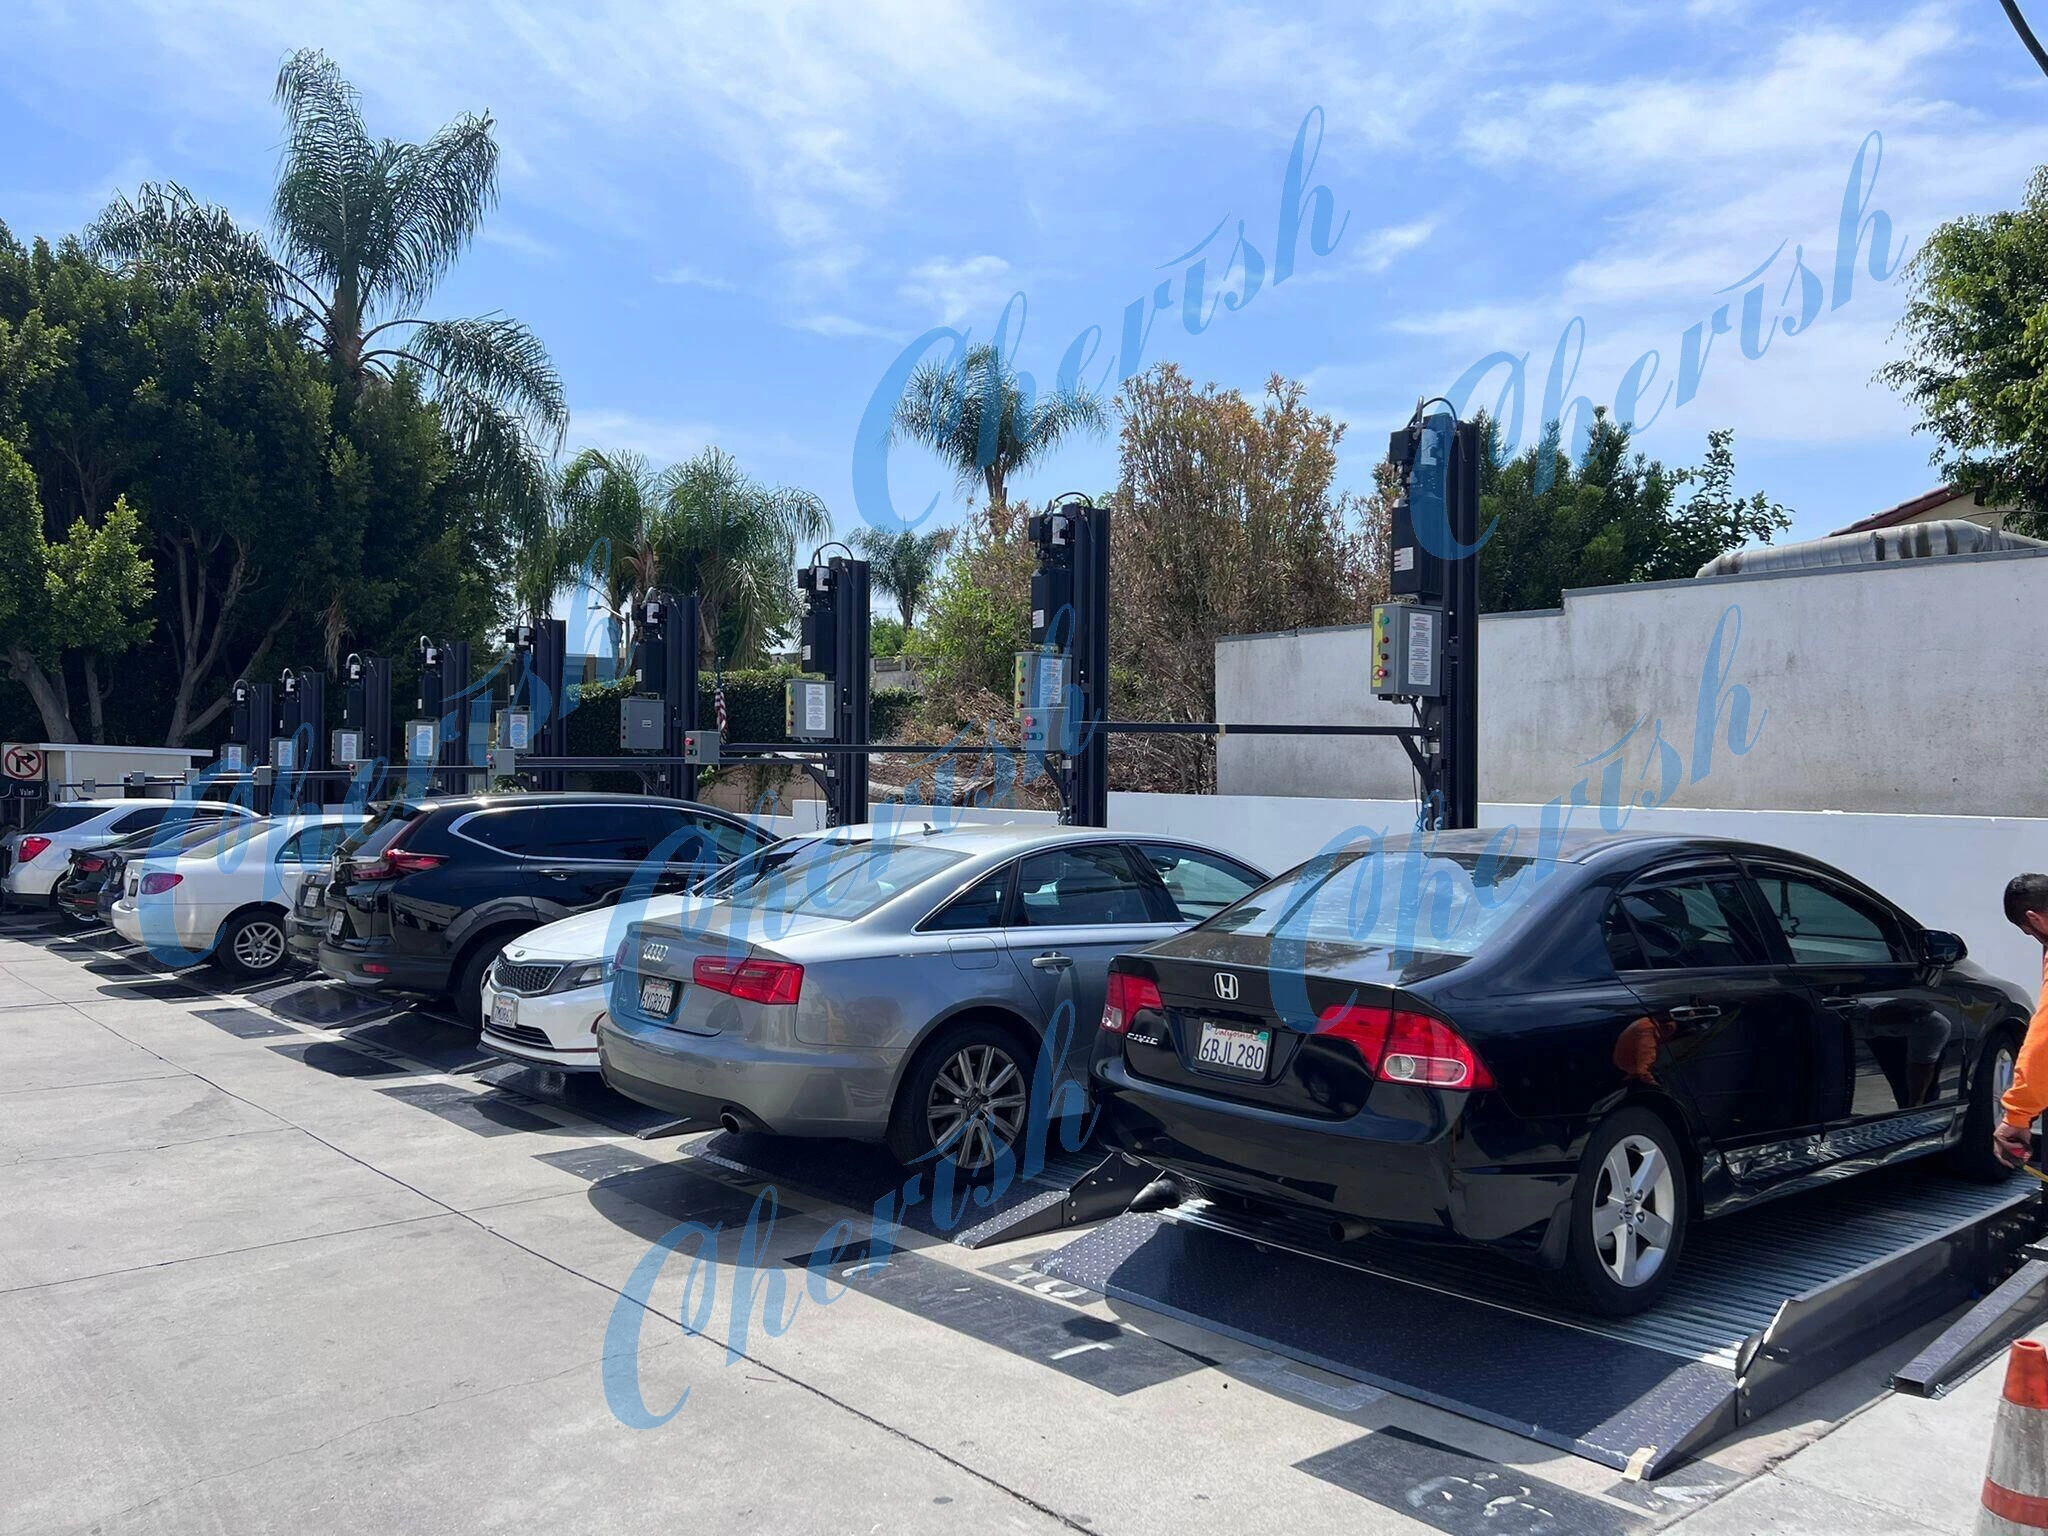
pixel 654 953
pixel 1226 986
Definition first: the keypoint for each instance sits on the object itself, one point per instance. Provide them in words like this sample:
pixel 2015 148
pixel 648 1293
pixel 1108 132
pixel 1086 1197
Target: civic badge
pixel 1226 986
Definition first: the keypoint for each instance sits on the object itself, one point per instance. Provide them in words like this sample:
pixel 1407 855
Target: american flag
pixel 718 697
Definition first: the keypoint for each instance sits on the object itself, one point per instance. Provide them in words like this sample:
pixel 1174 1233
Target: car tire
pixel 253 946
pixel 1972 1156
pixel 1615 1263
pixel 969 1086
pixel 467 991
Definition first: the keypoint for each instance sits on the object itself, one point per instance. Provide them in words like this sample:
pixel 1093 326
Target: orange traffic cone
pixel 2016 1483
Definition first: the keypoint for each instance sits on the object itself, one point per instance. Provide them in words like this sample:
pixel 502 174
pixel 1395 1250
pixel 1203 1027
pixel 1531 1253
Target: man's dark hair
pixel 2024 894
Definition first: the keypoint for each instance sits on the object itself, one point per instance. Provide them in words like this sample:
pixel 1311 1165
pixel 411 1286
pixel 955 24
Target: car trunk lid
pixel 1234 1025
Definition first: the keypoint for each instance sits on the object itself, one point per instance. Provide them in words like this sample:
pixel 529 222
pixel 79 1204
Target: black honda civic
pixel 1568 1056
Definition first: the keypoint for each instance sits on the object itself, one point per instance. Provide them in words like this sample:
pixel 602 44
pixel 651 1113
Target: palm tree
pixel 948 410
pixel 734 542
pixel 903 564
pixel 364 231
pixel 704 526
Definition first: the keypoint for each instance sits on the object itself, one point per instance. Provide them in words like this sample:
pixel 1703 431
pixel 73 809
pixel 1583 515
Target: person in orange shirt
pixel 2026 905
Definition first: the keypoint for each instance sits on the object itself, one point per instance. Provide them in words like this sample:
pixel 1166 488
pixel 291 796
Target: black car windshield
pixel 1405 900
pixel 827 877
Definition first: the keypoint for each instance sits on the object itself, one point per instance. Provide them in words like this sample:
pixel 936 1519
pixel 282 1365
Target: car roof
pixel 132 803
pixel 1583 846
pixel 536 797
pixel 972 836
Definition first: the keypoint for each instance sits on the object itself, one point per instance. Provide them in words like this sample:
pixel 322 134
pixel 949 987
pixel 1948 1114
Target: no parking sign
pixel 19 762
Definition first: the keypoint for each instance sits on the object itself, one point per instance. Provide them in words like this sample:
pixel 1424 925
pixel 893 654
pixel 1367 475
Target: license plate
pixel 1234 1050
pixel 335 924
pixel 505 1010
pixel 657 996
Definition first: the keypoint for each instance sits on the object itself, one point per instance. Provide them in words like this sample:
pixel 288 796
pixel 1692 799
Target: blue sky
pixel 727 224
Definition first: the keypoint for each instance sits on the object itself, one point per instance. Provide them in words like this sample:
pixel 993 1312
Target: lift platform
pixel 1768 1303
pixel 1072 1188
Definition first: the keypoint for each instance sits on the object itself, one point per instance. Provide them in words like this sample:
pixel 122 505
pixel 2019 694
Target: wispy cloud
pixel 951 290
pixel 690 277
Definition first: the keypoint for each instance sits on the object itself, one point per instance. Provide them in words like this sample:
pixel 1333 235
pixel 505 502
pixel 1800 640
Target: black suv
pixel 423 898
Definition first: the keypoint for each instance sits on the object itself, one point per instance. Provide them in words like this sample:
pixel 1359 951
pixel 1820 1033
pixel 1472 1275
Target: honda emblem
pixel 1226 986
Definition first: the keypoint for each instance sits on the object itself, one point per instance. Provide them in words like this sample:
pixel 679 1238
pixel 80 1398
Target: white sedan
pixel 227 900
pixel 36 857
pixel 543 996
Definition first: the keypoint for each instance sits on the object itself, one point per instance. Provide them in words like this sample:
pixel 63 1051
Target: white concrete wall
pixel 1918 688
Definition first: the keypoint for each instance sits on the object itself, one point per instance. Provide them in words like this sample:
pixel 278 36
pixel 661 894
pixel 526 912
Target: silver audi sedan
pixel 898 984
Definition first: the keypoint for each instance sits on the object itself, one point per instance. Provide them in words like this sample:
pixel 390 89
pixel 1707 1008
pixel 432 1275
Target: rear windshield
pixel 820 878
pixel 62 818
pixel 172 836
pixel 377 834
pixel 1405 900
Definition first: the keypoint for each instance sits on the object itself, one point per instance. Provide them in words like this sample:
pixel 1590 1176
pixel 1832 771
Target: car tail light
pixel 1126 998
pixel 394 860
pixel 91 866
pixel 31 847
pixel 752 981
pixel 1403 1047
pixel 156 885
pixel 405 863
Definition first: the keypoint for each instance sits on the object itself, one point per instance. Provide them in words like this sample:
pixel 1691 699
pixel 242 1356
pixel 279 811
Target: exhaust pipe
pixel 1345 1230
pixel 728 1121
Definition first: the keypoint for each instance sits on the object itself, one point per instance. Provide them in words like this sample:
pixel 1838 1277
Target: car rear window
pixel 1407 901
pixel 379 833
pixel 818 877
pixel 62 818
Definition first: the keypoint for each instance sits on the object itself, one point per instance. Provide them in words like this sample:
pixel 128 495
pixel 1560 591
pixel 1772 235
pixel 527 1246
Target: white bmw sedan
pixel 227 900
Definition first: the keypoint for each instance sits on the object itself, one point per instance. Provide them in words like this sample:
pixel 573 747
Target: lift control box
pixel 422 740
pixel 701 747
pixel 807 710
pixel 1407 651
pixel 641 725
pixel 515 729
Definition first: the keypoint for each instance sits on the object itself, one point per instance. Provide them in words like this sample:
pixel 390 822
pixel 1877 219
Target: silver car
pixel 896 985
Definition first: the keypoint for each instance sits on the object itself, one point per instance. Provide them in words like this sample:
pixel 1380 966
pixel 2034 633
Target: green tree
pixel 902 564
pixel 734 542
pixel 1976 358
pixel 702 526
pixel 1614 516
pixel 87 595
pixel 364 231
pixel 975 416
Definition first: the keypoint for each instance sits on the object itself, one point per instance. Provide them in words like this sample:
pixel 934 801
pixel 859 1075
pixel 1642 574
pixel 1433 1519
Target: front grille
pixel 524 979
pixel 520 1034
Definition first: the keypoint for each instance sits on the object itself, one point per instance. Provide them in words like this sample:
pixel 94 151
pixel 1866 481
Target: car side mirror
pixel 1944 948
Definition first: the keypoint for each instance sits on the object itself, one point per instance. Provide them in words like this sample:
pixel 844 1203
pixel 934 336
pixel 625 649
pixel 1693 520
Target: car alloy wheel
pixel 2003 1068
pixel 977 1104
pixel 258 946
pixel 1634 1205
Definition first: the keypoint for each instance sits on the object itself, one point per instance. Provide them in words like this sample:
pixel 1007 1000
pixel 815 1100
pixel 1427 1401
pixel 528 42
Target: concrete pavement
pixel 257 1276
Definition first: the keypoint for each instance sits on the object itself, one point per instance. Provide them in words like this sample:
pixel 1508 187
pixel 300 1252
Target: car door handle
pixel 1052 960
pixel 554 874
pixel 1695 1014
pixel 1838 1004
